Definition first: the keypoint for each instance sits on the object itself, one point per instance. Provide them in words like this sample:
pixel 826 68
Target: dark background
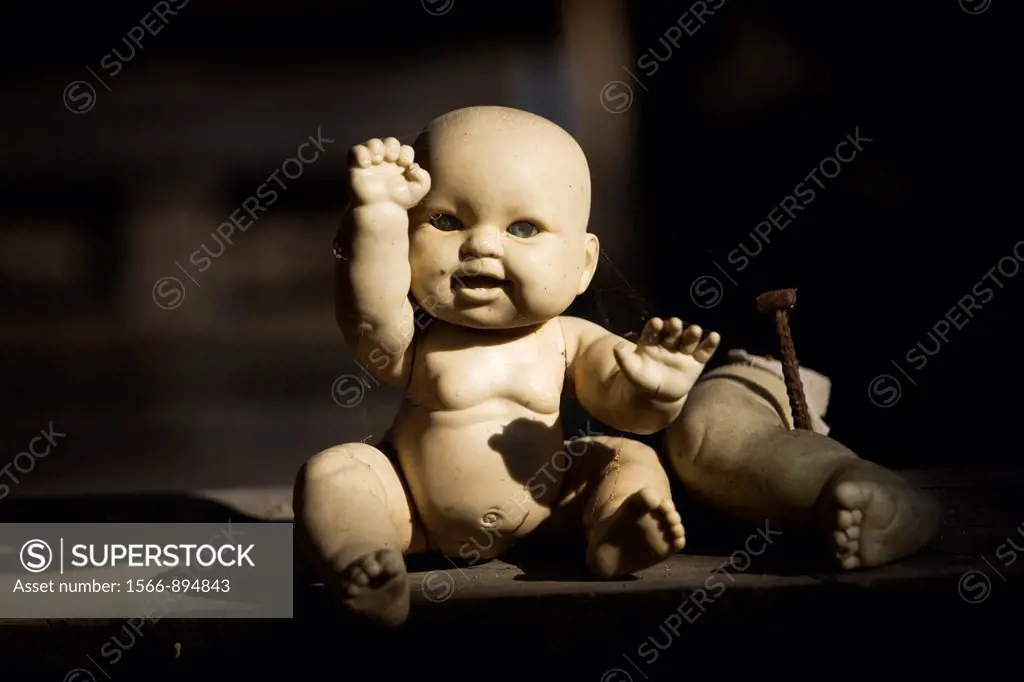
pixel 234 386
pixel 906 230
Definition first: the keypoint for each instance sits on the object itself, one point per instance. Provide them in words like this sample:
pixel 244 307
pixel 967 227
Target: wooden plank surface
pixel 977 522
pixel 556 613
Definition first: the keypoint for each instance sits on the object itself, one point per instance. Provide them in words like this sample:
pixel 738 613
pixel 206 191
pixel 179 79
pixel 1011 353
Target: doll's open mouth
pixel 477 282
pixel 476 290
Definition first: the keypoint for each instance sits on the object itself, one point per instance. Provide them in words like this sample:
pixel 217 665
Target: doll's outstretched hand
pixel 667 359
pixel 384 172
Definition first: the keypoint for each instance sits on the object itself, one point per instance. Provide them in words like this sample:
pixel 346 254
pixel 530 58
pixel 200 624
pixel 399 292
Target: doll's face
pixel 500 241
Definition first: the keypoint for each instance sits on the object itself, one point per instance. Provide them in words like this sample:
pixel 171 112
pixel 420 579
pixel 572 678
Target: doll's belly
pixel 481 478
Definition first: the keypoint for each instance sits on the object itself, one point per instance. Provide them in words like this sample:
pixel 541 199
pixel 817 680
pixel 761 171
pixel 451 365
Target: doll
pixel 451 280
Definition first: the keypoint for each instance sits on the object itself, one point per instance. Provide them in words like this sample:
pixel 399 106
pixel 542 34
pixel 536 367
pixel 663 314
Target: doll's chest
pixel 459 371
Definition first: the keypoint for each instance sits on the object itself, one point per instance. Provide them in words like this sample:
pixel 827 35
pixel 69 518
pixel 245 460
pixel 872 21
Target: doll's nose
pixel 482 241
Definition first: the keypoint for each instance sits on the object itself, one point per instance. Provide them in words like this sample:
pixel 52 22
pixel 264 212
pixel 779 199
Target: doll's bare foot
pixel 875 517
pixel 376 586
pixel 640 533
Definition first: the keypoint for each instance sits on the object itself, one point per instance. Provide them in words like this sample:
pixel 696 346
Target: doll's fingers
pixel 670 335
pixel 405 156
pixel 690 339
pixel 416 173
pixel 707 348
pixel 360 156
pixel 376 148
pixel 419 179
pixel 392 148
pixel 652 331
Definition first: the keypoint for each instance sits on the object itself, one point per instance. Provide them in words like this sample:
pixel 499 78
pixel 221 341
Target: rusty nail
pixel 779 303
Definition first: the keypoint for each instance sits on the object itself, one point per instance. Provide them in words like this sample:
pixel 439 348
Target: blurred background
pixel 175 357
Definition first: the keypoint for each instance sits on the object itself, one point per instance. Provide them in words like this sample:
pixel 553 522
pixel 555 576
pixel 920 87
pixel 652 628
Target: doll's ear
pixel 592 252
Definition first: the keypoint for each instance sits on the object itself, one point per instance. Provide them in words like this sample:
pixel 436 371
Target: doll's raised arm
pixel 372 274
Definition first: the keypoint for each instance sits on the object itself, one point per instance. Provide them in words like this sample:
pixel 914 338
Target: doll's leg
pixel 628 514
pixel 734 446
pixel 354 518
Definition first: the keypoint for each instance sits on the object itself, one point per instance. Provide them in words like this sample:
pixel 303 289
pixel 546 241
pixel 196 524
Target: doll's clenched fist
pixel 385 172
pixel 667 359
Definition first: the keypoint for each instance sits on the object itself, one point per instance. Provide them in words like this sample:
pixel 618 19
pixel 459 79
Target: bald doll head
pixel 501 240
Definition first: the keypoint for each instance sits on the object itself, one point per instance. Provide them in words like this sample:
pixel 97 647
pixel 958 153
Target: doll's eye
pixel 445 222
pixel 523 229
